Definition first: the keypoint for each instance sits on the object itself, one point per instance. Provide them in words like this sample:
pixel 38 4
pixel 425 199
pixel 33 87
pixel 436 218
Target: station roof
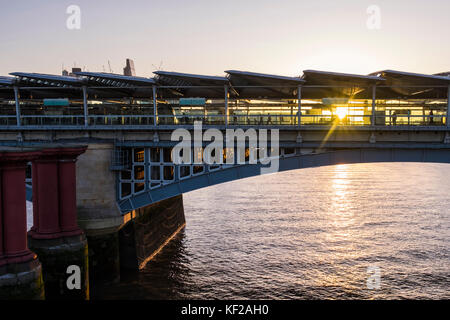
pixel 42 79
pixel 409 78
pixel 117 80
pixel 316 77
pixel 190 79
pixel 261 85
pixel 191 85
pixel 335 84
pixel 443 74
pixel 315 84
pixel 6 81
pixel 413 85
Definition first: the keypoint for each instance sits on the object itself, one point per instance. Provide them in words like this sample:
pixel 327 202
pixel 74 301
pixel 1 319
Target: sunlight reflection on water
pixel 309 234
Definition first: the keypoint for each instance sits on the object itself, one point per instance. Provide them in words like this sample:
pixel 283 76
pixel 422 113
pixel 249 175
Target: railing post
pixel 374 97
pixel 226 104
pixel 85 107
pixel 448 108
pixel 299 105
pixel 155 109
pixel 16 98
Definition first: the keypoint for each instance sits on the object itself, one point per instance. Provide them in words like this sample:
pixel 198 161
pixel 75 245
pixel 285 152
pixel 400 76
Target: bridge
pixel 129 186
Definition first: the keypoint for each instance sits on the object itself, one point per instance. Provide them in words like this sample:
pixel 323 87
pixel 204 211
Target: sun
pixel 341 112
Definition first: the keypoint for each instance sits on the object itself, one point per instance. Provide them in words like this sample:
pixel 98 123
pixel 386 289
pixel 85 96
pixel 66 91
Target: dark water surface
pixel 308 234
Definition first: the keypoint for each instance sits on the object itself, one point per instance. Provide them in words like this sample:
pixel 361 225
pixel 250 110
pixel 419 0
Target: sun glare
pixel 341 112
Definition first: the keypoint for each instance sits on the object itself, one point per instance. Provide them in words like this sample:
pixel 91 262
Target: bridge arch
pixel 369 155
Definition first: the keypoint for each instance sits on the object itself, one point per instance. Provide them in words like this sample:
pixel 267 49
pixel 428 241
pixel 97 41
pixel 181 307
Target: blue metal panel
pixel 289 163
pixel 437 156
pixel 142 200
pixel 221 176
pixel 165 192
pixel 194 183
pixel 376 155
pixel 404 155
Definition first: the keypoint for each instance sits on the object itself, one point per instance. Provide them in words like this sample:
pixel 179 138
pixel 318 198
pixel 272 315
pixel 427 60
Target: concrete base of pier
pixel 104 264
pixel 56 256
pixel 22 281
pixel 149 230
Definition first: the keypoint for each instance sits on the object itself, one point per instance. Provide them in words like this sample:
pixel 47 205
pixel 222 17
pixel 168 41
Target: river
pixel 316 233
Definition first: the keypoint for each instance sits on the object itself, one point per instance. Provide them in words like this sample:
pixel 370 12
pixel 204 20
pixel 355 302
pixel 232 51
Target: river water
pixel 360 231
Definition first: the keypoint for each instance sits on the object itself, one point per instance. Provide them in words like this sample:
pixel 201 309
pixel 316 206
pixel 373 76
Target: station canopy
pixel 400 84
pixel 178 85
pixel 114 80
pixel 6 81
pixel 390 84
pixel 334 84
pixel 252 85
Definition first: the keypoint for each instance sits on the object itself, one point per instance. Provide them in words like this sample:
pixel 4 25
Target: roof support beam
pixel 85 107
pixel 226 104
pixel 374 97
pixel 448 107
pixel 16 98
pixel 299 105
pixel 155 106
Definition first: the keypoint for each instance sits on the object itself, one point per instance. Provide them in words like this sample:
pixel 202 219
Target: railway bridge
pixel 125 134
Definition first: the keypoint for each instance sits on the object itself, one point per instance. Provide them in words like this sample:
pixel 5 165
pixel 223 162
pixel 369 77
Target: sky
pixel 209 36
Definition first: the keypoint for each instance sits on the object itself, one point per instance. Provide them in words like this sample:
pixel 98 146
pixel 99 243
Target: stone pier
pixel 55 235
pixel 20 269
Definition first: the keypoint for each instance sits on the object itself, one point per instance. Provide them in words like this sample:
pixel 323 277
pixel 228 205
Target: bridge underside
pixel 286 162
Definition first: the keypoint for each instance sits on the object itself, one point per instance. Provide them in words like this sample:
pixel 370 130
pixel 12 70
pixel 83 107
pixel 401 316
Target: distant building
pixel 129 68
pixel 71 74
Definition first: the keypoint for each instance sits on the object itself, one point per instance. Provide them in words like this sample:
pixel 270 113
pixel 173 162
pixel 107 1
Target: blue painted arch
pixel 370 155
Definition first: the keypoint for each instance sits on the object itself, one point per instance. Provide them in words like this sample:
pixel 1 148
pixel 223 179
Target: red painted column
pixel 45 196
pixel 67 190
pixel 2 259
pixel 13 207
pixel 54 193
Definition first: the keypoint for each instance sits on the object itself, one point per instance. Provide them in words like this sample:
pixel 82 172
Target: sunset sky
pixel 208 37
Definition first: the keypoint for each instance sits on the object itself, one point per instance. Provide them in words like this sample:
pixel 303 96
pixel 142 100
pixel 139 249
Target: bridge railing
pixel 309 105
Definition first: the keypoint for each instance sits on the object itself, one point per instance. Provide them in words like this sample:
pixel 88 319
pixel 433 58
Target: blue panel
pixel 141 200
pixel 56 102
pixel 376 155
pixel 223 176
pixel 248 171
pixel 405 155
pixel 316 160
pixel 165 192
pixel 194 183
pixel 441 156
pixel 346 156
pixel 125 206
pixel 290 163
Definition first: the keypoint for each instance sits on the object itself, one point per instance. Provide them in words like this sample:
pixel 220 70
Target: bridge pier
pixel 55 235
pixel 149 230
pixel 98 214
pixel 20 269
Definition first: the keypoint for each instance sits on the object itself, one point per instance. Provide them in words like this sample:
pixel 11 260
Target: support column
pixel 55 235
pixel 20 270
pixel 85 107
pixel 45 197
pixel 447 122
pixel 374 96
pixel 226 104
pixel 155 106
pixel 299 105
pixel 16 98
